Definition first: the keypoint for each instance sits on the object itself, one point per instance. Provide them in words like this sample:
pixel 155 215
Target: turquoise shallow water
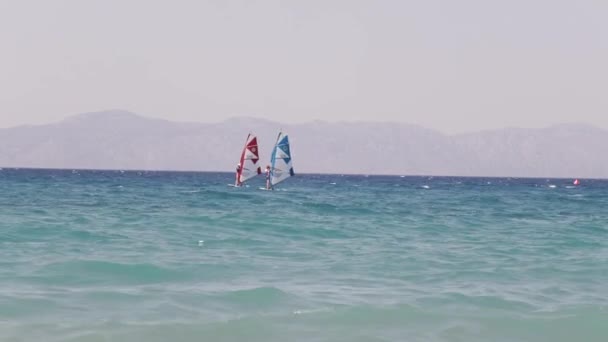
pixel 160 256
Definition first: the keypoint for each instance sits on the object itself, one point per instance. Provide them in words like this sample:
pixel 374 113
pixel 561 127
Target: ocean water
pixel 161 256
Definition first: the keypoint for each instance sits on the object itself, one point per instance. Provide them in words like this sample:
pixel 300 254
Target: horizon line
pixel 300 173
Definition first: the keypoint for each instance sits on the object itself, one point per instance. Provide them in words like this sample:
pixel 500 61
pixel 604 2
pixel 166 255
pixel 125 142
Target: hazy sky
pixel 451 65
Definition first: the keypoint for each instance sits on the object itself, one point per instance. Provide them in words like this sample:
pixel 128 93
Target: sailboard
pixel 248 164
pixel 280 161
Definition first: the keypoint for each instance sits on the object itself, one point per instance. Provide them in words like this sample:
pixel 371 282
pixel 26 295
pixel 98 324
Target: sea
pixel 178 256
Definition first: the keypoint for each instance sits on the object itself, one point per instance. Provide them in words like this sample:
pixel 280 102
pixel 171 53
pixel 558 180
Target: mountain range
pixel 119 139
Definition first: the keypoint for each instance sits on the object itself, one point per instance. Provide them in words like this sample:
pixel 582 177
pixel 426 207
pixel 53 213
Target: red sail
pixel 249 159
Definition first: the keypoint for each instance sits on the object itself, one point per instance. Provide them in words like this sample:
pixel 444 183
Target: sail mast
pixel 273 159
pixel 242 160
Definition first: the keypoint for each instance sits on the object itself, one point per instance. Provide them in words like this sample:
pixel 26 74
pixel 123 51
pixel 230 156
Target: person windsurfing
pixel 238 172
pixel 268 177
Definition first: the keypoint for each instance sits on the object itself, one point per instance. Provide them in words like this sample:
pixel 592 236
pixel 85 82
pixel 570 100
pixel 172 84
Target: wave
pixel 320 206
pixel 258 296
pixel 359 323
pixel 100 272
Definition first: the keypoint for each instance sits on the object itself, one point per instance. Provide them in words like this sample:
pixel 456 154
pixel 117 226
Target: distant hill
pixel 124 140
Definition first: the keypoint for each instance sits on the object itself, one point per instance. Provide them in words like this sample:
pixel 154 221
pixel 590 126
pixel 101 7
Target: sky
pixel 454 66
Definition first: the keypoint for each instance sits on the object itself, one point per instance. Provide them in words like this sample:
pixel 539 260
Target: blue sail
pixel 280 160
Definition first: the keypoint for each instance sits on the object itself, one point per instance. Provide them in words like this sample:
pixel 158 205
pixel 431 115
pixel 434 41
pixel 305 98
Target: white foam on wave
pixel 311 311
pixel 552 186
pixel 426 187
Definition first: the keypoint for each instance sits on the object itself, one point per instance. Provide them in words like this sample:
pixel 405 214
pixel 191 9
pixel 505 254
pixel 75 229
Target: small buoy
pixel 576 182
pixel 201 242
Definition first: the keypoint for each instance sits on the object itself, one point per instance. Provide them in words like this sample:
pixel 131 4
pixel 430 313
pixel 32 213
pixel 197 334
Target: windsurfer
pixel 238 172
pixel 267 177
